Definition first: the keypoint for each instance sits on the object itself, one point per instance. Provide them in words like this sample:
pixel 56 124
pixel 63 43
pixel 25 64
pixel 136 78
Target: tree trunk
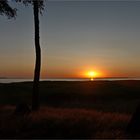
pixel 35 94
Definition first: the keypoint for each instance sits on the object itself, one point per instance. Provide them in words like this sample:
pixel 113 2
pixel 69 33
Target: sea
pixel 13 80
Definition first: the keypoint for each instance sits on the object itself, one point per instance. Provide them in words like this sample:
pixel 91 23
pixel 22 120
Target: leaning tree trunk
pixel 35 94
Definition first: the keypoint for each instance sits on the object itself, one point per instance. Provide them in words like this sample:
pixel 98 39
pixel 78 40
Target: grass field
pixel 97 109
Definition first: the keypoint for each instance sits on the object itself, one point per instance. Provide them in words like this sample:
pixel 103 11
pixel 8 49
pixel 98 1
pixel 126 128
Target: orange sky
pixel 76 37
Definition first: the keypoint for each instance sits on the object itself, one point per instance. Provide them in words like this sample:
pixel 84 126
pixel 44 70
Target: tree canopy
pixel 40 3
pixel 6 9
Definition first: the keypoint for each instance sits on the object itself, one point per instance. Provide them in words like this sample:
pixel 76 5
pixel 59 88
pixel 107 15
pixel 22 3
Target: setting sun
pixel 92 74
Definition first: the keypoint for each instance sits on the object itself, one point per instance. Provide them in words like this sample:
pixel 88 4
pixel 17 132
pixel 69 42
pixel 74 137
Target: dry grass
pixel 62 123
pixel 98 109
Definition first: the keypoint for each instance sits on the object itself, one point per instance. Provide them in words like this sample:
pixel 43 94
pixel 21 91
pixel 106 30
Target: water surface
pixel 7 80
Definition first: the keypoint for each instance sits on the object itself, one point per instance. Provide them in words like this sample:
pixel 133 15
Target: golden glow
pixel 91 74
pixel 91 79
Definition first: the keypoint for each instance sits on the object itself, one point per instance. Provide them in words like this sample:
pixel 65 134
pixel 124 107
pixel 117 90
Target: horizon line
pixel 115 77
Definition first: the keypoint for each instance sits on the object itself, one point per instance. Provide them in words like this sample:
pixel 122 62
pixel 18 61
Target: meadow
pixel 72 109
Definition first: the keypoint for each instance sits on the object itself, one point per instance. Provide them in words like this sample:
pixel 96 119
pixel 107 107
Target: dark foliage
pixel 6 9
pixel 27 2
pixel 22 109
pixel 133 127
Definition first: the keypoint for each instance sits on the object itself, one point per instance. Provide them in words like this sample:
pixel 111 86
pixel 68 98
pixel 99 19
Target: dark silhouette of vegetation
pixel 35 102
pixel 6 9
pixel 133 127
pixel 38 6
pixel 72 109
pixel 22 109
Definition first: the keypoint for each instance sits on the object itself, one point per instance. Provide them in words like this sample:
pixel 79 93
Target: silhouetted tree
pixel 38 6
pixel 35 98
pixel 6 9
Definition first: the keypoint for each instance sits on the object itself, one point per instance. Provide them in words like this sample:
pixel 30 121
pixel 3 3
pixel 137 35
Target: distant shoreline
pixel 3 78
pixel 11 80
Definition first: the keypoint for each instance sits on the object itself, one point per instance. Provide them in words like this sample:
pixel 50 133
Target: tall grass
pixel 107 96
pixel 100 109
pixel 51 122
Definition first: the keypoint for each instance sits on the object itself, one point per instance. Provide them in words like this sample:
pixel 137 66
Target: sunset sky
pixel 76 37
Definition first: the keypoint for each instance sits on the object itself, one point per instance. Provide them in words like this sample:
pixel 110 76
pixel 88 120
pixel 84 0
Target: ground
pixel 94 109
